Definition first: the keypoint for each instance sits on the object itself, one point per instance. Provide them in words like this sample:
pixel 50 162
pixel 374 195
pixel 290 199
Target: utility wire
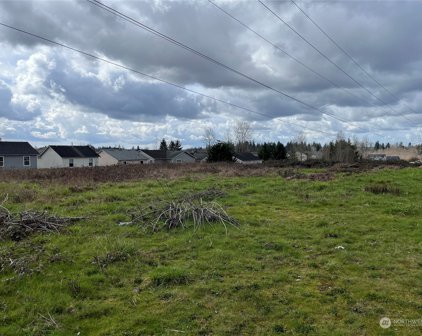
pixel 274 45
pixel 289 55
pixel 200 54
pixel 155 78
pixel 324 55
pixel 350 56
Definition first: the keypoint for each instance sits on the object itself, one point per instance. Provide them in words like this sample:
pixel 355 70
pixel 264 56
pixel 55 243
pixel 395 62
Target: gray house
pixel 167 156
pixel 17 155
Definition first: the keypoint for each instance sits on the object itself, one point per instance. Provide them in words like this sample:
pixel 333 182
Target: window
pixel 26 161
pixel 1 161
pixel 178 161
pixel 91 162
pixel 70 162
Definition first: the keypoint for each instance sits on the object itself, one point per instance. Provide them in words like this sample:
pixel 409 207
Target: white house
pixel 118 156
pixel 67 156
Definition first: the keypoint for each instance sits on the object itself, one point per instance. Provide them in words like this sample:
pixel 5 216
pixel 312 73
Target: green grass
pixel 279 273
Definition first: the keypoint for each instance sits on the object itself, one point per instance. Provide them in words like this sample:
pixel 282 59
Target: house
pixel 68 156
pixel 166 156
pixel 200 156
pixel 300 156
pixel 118 156
pixel 377 157
pixel 17 155
pixel 246 158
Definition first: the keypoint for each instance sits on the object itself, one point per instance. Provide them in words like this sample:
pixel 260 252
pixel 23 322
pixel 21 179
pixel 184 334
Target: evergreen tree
pixel 172 145
pixel 272 151
pixel 280 151
pixel 264 153
pixel 177 145
pixel 163 144
pixel 221 151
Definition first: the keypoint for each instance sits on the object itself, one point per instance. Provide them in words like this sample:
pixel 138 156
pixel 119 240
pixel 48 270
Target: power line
pixel 288 54
pixel 154 77
pixel 210 59
pixel 349 56
pixel 273 44
pixel 324 55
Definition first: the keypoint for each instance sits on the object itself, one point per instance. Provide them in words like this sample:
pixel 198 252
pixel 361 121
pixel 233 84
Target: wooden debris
pixel 20 225
pixel 190 210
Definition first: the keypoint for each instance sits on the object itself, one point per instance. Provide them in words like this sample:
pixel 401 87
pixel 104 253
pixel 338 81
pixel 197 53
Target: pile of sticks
pixel 186 212
pixel 17 226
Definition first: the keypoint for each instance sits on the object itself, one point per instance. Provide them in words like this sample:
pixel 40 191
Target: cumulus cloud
pixel 73 98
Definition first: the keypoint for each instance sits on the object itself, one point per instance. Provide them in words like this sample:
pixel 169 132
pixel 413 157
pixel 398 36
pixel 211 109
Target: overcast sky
pixel 51 95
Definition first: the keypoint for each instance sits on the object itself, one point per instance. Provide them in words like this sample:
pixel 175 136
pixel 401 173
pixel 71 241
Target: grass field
pixel 310 257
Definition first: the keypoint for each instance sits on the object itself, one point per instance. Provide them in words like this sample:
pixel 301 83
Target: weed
pixel 110 258
pixel 169 276
pixel 383 189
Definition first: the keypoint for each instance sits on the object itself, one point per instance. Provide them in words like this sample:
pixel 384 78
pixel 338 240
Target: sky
pixel 53 95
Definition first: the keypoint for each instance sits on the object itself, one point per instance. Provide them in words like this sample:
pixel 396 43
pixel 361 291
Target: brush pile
pixel 193 210
pixel 20 225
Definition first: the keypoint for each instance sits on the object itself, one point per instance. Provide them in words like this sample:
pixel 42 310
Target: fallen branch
pixel 191 210
pixel 20 225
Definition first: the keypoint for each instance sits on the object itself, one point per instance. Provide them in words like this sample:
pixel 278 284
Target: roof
pixel 156 154
pixel 125 154
pixel 163 154
pixel 16 148
pixel 199 156
pixel 246 156
pixel 74 151
pixel 41 150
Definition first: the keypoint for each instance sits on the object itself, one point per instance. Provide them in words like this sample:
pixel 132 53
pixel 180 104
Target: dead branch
pixel 18 226
pixel 182 214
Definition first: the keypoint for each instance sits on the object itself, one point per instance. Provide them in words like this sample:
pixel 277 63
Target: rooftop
pixel 75 151
pixel 16 148
pixel 126 154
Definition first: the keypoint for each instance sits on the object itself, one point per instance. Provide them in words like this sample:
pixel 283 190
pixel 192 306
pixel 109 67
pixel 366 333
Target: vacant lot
pixel 316 252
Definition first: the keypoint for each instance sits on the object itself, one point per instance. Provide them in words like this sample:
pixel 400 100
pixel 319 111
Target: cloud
pixel 122 98
pixel 78 99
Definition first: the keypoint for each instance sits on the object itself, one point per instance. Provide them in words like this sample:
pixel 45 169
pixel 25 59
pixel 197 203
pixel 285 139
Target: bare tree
pixel 243 135
pixel 362 145
pixel 209 137
pixel 228 136
pixel 300 138
pixel 340 148
pixel 298 147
